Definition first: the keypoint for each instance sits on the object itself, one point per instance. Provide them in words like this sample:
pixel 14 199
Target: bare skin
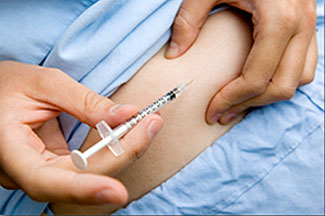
pixel 215 59
pixel 283 29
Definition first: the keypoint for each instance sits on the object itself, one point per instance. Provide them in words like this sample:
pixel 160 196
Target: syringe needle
pixel 187 84
pixel 180 89
pixel 110 138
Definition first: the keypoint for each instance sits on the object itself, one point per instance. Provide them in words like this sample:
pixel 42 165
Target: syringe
pixel 110 138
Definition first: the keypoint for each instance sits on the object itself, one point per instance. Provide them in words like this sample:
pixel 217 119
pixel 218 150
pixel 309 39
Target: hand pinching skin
pixel 283 55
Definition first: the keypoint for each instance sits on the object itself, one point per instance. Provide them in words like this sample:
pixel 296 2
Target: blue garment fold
pixel 106 45
pixel 101 44
pixel 270 163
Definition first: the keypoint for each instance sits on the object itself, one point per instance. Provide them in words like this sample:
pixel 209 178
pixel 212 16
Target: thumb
pixel 58 89
pixel 186 27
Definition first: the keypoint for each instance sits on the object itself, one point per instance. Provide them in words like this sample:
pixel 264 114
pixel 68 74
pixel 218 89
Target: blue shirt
pixel 272 162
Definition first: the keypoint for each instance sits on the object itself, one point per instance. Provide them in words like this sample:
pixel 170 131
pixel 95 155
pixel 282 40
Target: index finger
pixel 257 72
pixel 43 182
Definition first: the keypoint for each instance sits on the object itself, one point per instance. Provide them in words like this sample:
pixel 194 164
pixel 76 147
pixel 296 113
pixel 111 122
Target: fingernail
pixel 153 128
pixel 113 110
pixel 215 118
pixel 228 117
pixel 172 50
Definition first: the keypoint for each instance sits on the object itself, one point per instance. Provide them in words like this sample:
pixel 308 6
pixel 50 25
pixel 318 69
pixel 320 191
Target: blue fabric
pixel 106 45
pixel 272 162
pixel 101 44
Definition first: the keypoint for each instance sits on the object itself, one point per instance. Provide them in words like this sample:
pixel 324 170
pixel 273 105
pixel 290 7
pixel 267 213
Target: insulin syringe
pixel 110 138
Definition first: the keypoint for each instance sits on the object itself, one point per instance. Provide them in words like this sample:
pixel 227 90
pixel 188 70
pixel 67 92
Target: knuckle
pixel 241 107
pixel 310 10
pixel 285 22
pixel 226 103
pixel 53 70
pixel 93 102
pixel 89 101
pixel 307 78
pixel 256 88
pixel 289 19
pixel 135 154
pixel 310 18
pixel 43 75
pixel 284 93
pixel 183 21
pixel 49 72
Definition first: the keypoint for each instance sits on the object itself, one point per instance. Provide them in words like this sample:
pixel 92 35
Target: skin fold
pixel 284 29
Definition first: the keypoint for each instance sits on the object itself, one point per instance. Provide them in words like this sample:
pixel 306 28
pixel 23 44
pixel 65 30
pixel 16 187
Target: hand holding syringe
pixel 111 137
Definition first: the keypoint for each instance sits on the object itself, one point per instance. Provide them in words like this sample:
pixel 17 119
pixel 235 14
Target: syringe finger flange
pixel 111 138
pixel 104 131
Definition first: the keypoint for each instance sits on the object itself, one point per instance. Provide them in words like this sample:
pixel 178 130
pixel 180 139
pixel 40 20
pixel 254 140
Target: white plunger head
pixel 79 159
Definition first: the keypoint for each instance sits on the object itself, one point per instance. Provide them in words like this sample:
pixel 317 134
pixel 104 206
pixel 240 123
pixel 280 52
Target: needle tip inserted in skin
pixel 187 84
pixel 110 138
pixel 180 89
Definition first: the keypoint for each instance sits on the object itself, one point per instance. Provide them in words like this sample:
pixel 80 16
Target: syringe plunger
pixel 111 137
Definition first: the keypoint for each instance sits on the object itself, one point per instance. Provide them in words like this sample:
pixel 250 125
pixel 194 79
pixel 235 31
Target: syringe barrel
pixel 152 108
pixel 112 137
pixel 123 129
